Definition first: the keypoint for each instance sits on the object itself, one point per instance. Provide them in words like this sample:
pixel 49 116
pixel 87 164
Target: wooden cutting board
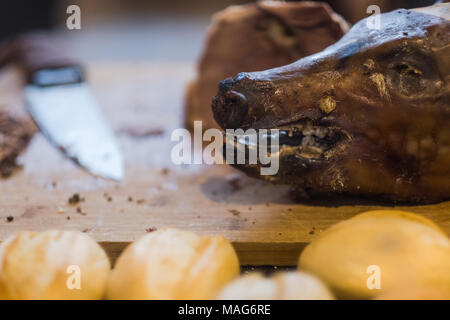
pixel 144 103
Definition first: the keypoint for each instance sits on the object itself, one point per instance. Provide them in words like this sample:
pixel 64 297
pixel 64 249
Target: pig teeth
pixel 246 140
pixel 304 139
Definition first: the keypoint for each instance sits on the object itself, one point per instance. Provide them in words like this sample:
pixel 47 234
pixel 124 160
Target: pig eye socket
pixel 406 69
pixel 407 78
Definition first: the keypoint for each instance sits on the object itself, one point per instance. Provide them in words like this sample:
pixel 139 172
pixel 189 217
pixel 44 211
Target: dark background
pixel 143 29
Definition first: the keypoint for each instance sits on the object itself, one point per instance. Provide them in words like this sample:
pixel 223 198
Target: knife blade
pixel 62 105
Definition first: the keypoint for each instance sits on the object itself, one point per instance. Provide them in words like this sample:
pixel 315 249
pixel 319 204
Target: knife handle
pixel 44 61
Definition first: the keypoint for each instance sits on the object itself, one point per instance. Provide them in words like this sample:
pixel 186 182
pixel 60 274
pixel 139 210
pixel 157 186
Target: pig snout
pixel 230 107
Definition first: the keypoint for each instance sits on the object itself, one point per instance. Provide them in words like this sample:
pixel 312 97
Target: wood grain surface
pixel 144 103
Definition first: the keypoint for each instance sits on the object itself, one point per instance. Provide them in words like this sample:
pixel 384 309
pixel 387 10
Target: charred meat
pixel 15 134
pixel 368 116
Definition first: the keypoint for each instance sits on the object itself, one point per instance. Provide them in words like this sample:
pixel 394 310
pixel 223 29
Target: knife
pixel 60 102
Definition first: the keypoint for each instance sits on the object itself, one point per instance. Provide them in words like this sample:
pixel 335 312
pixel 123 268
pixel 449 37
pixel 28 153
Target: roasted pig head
pixel 368 116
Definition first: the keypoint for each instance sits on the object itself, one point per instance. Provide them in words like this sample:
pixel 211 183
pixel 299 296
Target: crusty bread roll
pixel 173 264
pixel 52 265
pixel 254 37
pixel 282 286
pixel 379 251
pixel 415 293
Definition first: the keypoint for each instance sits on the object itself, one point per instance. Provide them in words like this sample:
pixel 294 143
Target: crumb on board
pixel 130 199
pixel 140 201
pixel 151 229
pixel 9 218
pixel 86 230
pixel 234 212
pixel 165 171
pixel 75 199
pixel 81 211
pixel 61 210
pixel 68 218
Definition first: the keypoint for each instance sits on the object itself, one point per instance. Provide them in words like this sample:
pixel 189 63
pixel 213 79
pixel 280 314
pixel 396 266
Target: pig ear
pixel 305 14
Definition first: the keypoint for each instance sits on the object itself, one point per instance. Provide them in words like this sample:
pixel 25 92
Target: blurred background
pixel 143 29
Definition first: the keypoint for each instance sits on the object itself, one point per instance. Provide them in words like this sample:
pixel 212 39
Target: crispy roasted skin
pixel 15 133
pixel 371 113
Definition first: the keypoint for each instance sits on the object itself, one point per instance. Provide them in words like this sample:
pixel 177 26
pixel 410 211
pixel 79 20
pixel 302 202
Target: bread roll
pixel 282 286
pixel 378 251
pixel 173 264
pixel 52 265
pixel 415 293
